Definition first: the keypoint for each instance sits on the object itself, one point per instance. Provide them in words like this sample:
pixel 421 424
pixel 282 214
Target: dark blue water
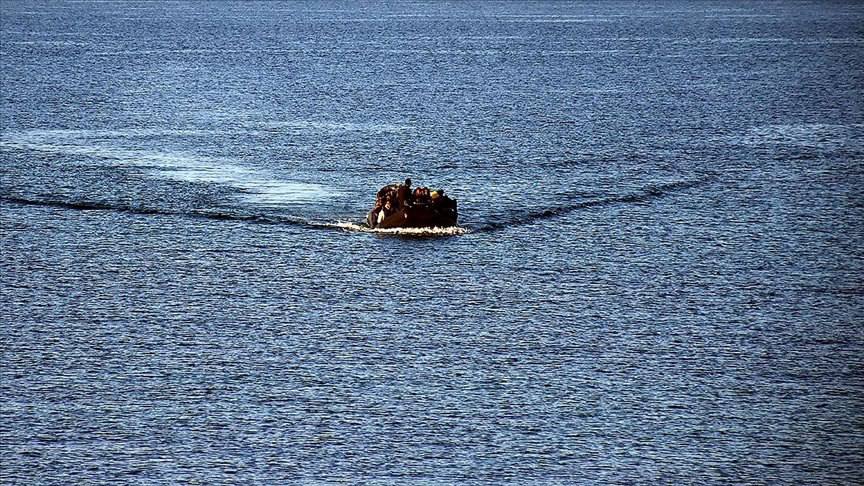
pixel 657 278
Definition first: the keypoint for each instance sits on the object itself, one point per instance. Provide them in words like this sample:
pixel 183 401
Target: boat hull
pixel 414 217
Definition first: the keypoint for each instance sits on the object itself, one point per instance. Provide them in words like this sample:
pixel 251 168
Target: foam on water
pixel 257 186
pixel 436 231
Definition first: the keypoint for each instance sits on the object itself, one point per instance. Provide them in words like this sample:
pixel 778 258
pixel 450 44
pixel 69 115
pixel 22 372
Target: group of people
pixel 393 197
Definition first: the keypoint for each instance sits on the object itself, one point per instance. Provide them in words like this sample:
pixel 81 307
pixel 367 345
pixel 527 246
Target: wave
pixel 87 205
pixel 648 193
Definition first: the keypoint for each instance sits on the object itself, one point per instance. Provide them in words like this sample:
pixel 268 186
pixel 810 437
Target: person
pixel 447 205
pixel 439 199
pixel 421 195
pixel 375 214
pixel 403 194
pixel 386 211
pixel 387 191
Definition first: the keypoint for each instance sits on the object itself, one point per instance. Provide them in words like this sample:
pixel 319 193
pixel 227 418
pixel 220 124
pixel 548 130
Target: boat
pixel 397 206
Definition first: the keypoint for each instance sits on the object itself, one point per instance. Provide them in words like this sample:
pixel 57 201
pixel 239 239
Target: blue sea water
pixel 657 277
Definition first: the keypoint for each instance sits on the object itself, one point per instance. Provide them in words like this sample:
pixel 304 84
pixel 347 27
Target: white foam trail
pixel 257 186
pixel 436 231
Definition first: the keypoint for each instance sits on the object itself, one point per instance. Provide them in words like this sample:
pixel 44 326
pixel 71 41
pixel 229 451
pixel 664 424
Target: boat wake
pixel 214 214
pixel 646 194
pixel 254 195
pixel 276 219
pixel 114 148
pixel 510 219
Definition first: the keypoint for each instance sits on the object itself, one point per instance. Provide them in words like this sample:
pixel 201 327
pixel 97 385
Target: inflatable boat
pixel 396 206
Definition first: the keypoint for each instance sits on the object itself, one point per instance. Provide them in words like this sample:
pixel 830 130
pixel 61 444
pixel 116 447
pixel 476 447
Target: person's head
pixel 408 182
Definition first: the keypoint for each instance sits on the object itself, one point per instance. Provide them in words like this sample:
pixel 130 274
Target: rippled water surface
pixel 657 275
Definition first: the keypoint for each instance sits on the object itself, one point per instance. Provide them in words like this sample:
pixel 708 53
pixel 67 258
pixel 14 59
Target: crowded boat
pixel 401 206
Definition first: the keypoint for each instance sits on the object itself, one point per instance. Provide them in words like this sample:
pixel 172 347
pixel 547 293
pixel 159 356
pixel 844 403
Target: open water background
pixel 659 276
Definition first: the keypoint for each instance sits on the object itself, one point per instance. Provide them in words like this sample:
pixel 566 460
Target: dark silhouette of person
pixel 403 194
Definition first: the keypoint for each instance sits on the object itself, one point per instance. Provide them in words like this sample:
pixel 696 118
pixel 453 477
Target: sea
pixel 657 276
